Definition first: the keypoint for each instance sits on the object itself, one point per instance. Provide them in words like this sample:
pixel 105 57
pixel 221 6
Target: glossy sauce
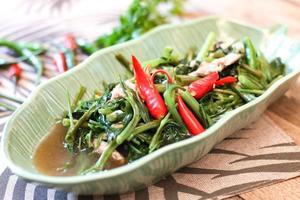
pixel 50 155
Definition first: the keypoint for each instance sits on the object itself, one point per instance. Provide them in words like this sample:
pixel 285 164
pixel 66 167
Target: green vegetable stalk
pixel 251 54
pixel 208 44
pixel 169 97
pixel 196 108
pixel 70 136
pixel 124 135
pixel 154 144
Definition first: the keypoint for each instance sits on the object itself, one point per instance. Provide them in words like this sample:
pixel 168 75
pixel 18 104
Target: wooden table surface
pixel 286 111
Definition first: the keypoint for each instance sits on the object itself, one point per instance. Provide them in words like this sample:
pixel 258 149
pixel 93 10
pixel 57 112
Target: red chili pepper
pixel 59 60
pixel 161 71
pixel 15 71
pixel 188 117
pixel 227 79
pixel 70 42
pixel 148 92
pixel 202 86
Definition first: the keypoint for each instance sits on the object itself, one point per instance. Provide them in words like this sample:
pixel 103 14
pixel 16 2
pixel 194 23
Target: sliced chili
pixel 202 86
pixel 161 71
pixel 191 122
pixel 70 42
pixel 59 60
pixel 226 80
pixel 148 92
pixel 15 71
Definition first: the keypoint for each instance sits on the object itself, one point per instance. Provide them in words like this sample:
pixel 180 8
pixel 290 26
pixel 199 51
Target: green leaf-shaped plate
pixel 33 120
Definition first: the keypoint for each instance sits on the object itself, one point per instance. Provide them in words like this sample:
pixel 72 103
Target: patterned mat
pixel 258 155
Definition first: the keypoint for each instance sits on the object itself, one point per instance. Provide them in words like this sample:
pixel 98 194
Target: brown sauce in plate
pixel 50 156
pixel 50 153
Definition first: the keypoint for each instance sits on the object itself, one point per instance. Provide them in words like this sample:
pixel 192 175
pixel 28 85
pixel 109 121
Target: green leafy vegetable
pixel 107 125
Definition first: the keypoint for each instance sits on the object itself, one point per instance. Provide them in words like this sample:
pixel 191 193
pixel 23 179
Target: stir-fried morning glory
pixel 169 99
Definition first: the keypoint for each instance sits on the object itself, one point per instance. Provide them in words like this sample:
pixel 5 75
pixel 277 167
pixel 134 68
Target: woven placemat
pixel 255 156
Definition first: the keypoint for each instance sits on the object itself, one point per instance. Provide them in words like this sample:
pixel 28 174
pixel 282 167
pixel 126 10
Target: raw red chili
pixel 15 71
pixel 161 71
pixel 188 118
pixel 227 79
pixel 59 60
pixel 202 86
pixel 70 42
pixel 148 92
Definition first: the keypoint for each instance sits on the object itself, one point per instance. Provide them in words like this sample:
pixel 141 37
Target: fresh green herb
pixel 141 16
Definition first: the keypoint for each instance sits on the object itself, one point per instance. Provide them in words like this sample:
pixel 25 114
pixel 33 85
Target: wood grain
pixel 284 190
pixel 234 198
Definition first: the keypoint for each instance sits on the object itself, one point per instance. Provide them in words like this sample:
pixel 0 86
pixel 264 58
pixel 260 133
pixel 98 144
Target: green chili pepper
pixel 30 56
